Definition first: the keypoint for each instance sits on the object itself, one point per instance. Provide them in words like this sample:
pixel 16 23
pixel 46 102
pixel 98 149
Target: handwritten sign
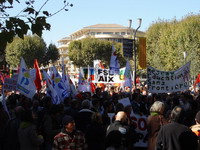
pixel 167 82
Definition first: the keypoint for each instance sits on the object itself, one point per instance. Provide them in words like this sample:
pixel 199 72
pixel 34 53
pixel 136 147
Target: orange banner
pixel 142 53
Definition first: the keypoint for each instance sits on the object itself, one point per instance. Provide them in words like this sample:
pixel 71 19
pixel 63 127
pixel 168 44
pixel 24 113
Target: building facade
pixel 112 32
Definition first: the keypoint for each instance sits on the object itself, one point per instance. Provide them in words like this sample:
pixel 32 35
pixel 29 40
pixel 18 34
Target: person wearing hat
pixel 69 138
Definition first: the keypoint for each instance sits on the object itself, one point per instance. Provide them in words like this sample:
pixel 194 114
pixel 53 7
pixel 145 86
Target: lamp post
pixel 134 46
pixel 184 56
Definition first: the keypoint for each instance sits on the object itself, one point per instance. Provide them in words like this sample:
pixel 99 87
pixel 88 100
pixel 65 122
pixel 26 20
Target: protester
pixel 129 136
pixel 4 119
pixel 69 138
pixel 11 140
pixel 196 128
pixel 113 140
pixel 84 116
pixel 27 133
pixel 175 135
pixel 95 133
pixel 154 122
pixel 51 125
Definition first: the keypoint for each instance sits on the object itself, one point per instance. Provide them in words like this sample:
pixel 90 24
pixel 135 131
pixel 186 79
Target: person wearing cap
pixel 69 138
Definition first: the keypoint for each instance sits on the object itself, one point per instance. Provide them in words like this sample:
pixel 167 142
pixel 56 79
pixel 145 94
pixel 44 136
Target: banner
pixel 10 84
pixel 104 76
pixel 167 82
pixel 142 53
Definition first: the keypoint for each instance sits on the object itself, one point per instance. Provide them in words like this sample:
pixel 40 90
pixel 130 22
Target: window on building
pixel 92 33
pixel 98 32
pixel 123 33
pixel 107 32
pixel 117 33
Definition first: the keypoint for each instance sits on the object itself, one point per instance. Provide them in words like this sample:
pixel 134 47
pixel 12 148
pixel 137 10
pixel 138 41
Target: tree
pixel 29 19
pixel 51 54
pixel 30 48
pixel 167 40
pixel 83 52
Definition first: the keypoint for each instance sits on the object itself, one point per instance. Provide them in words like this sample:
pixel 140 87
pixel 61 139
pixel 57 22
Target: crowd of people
pixel 83 122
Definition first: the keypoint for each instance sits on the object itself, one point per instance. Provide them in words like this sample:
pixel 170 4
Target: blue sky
pixel 89 12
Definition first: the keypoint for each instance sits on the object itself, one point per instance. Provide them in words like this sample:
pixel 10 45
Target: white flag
pixel 114 64
pixel 128 75
pixel 82 83
pixel 25 83
pixel 59 85
pixel 50 90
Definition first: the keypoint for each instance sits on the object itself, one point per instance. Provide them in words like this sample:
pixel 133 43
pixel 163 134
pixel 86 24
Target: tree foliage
pixel 51 54
pixel 167 40
pixel 83 52
pixel 28 19
pixel 30 48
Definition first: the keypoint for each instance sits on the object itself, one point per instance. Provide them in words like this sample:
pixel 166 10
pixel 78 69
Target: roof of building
pixel 106 26
pixel 65 38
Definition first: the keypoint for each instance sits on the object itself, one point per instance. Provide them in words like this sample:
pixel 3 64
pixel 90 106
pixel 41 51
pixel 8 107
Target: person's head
pixel 86 104
pixel 68 123
pixel 177 114
pixel 197 117
pixel 96 118
pixel 121 116
pixel 18 111
pixel 107 106
pixel 158 107
pixel 119 107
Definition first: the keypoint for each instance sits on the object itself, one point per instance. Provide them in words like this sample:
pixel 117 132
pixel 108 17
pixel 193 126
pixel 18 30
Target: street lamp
pixel 134 46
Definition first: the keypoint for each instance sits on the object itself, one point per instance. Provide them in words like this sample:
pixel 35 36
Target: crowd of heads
pixel 103 102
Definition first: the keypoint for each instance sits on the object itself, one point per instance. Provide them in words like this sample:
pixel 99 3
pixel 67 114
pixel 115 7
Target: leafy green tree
pixel 28 19
pixel 51 55
pixel 30 48
pixel 167 40
pixel 83 52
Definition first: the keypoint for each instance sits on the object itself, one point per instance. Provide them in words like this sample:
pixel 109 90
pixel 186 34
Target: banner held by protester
pixel 168 81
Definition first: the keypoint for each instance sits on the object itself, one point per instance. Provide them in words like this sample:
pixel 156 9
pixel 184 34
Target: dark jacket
pixel 83 119
pixel 176 136
pixel 95 136
pixel 28 138
pixel 11 140
pixel 129 136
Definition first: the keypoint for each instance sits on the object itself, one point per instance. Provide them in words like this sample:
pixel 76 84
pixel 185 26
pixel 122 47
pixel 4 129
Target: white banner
pixel 104 76
pixel 167 82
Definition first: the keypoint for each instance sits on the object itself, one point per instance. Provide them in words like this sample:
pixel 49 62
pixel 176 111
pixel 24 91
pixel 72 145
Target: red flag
pixel 197 80
pixel 92 86
pixel 101 65
pixel 38 77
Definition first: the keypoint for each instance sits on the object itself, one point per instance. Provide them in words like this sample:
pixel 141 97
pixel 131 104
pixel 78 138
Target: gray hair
pixel 157 106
